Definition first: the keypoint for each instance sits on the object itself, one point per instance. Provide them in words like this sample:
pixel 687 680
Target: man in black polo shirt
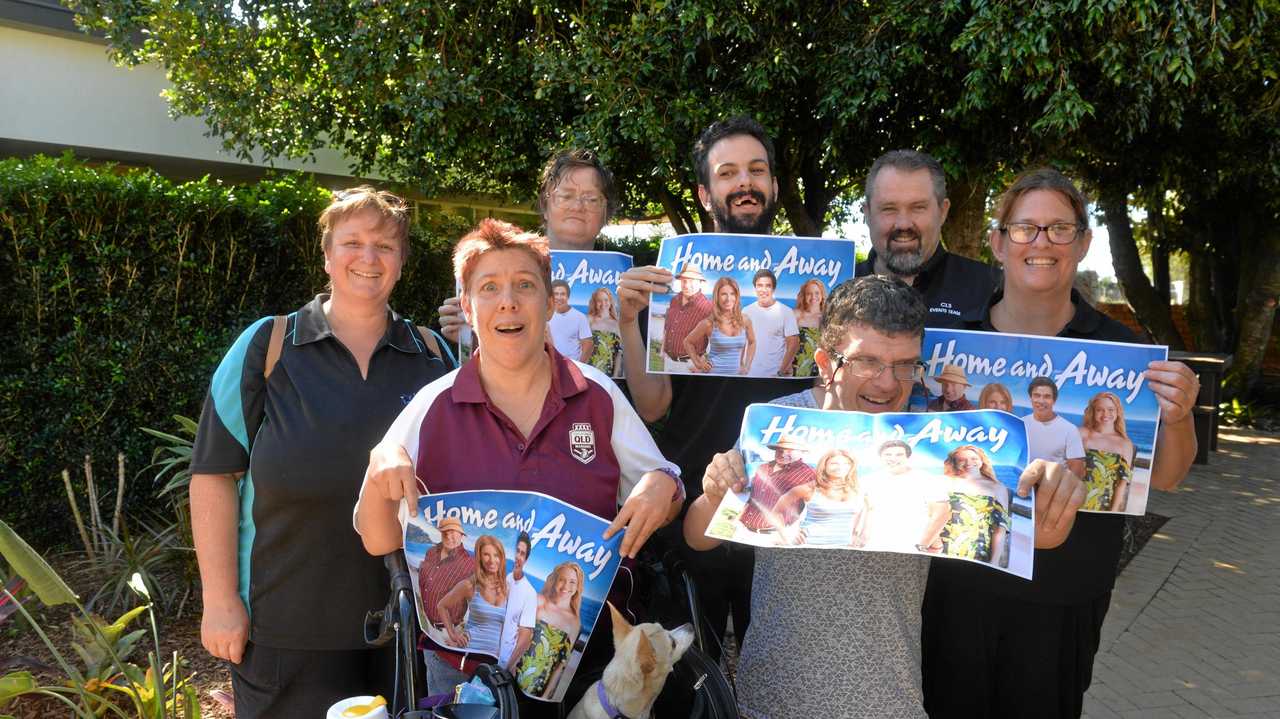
pixel 905 209
pixel 733 160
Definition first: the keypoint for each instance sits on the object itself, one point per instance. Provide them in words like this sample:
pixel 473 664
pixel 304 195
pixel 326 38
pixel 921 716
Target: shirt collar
pixel 566 379
pixel 1084 322
pixel 312 325
pixel 935 265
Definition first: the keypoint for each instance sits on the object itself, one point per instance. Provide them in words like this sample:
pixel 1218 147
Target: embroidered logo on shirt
pixel 582 442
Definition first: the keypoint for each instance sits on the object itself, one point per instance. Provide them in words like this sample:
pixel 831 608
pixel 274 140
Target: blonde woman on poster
pixel 810 300
pixel 729 337
pixel 835 509
pixel 1108 454
pixel 484 594
pixel 606 343
pixel 980 522
pixel 995 396
pixel 559 621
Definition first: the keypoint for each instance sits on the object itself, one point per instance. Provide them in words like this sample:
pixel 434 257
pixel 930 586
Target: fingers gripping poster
pixel 743 305
pixel 518 576
pixel 942 485
pixel 1084 403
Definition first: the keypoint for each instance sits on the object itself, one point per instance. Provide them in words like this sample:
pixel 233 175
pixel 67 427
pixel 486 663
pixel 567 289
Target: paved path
pixel 1194 626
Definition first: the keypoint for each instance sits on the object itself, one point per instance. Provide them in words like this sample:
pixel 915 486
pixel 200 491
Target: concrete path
pixel 1194 626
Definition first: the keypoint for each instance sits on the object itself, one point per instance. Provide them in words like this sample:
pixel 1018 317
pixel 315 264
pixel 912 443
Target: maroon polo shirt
pixel 681 318
pixel 767 487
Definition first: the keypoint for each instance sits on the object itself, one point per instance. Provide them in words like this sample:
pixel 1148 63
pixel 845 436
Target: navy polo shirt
pixel 1083 567
pixel 302 440
pixel 588 448
pixel 952 286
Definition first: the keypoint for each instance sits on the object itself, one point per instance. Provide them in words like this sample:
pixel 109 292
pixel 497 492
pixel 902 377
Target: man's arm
pixel 789 355
pixel 651 393
pixel 586 346
pixel 524 637
pixel 1076 466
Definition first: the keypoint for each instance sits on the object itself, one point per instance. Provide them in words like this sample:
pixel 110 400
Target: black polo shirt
pixel 304 436
pixel 1083 567
pixel 952 285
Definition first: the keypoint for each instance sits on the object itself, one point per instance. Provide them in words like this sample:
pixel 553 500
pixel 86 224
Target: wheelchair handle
pixel 399 571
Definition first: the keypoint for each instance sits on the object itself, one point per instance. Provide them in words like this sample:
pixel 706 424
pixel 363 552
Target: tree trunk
pixel 967 225
pixel 1256 315
pixel 1160 269
pixel 793 204
pixel 1152 312
pixel 677 214
pixel 1203 317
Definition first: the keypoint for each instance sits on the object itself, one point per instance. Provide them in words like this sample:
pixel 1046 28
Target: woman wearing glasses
pixel 995 643
pixel 280 451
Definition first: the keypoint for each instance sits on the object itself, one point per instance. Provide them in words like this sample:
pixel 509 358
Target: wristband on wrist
pixel 679 494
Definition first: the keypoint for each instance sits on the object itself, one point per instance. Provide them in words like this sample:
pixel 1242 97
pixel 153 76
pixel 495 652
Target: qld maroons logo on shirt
pixel 582 442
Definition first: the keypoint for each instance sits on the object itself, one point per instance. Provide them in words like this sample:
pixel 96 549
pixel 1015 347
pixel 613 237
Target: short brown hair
pixel 492 235
pixel 345 203
pixel 566 161
pixel 1045 178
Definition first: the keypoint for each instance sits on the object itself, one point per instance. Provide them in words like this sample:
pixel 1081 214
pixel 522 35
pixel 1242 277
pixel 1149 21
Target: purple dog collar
pixel 608 707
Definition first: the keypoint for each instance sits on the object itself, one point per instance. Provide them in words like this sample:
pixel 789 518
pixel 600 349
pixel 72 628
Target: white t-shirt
pixel 899 507
pixel 1056 440
pixel 522 610
pixel 568 329
pixel 772 326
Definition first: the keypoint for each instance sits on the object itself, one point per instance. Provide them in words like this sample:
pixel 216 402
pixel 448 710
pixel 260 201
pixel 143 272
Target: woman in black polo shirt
pixel 278 462
pixel 995 645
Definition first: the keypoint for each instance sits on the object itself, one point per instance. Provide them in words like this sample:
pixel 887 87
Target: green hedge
pixel 121 290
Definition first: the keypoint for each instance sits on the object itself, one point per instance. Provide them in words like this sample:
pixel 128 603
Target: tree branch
pixel 1151 311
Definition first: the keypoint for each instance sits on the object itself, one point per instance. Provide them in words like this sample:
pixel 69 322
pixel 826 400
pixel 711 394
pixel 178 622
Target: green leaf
pixel 45 582
pixel 15 684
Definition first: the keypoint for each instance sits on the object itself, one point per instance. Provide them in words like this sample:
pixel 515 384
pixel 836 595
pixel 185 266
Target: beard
pixel 761 225
pixel 905 263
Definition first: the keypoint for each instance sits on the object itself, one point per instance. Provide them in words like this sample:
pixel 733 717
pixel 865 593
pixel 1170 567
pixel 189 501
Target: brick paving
pixel 1194 626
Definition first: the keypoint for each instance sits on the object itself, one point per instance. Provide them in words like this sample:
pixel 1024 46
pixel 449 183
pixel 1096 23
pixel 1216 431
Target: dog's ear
pixel 645 656
pixel 621 627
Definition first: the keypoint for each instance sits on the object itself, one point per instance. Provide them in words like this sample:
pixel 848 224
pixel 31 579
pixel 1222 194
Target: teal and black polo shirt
pixel 302 440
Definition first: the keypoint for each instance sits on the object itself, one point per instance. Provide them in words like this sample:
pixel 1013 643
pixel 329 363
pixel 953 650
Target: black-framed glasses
pixel 870 367
pixel 1059 233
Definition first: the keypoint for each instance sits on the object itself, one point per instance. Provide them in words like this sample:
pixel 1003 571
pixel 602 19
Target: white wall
pixel 68 92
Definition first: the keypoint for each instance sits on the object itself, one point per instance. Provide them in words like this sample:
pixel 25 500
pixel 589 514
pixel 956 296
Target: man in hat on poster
pixel 772 480
pixel 686 310
pixel 444 565
pixel 954 383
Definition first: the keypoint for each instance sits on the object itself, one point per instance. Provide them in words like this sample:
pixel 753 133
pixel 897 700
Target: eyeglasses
pixel 562 200
pixel 1059 233
pixel 870 367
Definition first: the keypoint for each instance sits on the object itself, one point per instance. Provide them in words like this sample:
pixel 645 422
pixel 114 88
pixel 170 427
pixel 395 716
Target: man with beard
pixel 905 208
pixel 734 162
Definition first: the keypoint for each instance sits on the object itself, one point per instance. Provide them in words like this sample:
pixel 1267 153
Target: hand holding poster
pixel 584 326
pixel 936 484
pixel 744 305
pixel 1085 403
pixel 518 576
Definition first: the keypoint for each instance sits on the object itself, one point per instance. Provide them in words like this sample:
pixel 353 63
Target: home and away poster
pixel 465 550
pixel 592 279
pixel 937 484
pixel 722 317
pixel 1085 402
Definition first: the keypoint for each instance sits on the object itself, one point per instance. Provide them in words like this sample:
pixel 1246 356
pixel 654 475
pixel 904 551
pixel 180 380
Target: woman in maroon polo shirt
pixel 509 417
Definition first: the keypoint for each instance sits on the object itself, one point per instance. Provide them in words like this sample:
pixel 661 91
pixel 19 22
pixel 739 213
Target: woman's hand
pixel 390 476
pixel 1176 388
pixel 648 508
pixel 451 319
pixel 224 627
pixel 635 286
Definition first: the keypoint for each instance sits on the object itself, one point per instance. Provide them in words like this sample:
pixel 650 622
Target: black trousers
pixel 723 578
pixel 997 658
pixel 281 683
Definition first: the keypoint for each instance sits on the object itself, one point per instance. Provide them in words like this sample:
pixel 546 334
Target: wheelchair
pixel 697 687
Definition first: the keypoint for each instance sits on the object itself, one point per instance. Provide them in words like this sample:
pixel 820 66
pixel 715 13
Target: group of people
pixel 472 602
pixel 720 336
pixel 960 510
pixel 593 337
pixel 279 457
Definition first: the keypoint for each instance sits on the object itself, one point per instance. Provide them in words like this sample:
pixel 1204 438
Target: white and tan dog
pixel 643 656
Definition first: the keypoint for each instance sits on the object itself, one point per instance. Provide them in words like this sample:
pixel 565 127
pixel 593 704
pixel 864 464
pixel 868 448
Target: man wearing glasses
pixel 576 198
pixel 905 208
pixel 856 613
